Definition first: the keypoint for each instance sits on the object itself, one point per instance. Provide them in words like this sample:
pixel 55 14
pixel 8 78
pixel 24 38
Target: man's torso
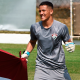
pixel 50 53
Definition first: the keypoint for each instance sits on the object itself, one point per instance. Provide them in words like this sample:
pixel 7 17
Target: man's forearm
pixel 30 46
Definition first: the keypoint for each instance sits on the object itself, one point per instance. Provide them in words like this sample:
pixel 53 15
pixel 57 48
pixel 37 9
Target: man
pixel 50 61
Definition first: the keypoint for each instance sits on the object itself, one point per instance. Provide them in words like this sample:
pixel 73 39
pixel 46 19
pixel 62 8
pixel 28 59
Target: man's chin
pixel 43 20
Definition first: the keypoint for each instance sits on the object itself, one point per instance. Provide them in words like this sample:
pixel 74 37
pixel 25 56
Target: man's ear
pixel 51 11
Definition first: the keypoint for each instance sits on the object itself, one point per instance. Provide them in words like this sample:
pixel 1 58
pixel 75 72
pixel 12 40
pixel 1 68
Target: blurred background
pixel 17 15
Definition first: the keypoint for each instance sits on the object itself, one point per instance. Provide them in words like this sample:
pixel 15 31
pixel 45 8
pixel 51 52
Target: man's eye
pixel 39 10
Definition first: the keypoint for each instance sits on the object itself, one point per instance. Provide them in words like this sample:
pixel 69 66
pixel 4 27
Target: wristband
pixel 28 53
pixel 69 43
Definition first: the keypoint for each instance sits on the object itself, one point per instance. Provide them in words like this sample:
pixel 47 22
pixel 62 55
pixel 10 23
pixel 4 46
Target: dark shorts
pixel 49 74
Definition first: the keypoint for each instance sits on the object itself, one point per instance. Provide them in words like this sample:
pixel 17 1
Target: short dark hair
pixel 46 3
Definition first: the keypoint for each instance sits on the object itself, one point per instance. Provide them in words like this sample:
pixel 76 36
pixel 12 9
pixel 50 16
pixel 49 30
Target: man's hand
pixel 25 55
pixel 70 46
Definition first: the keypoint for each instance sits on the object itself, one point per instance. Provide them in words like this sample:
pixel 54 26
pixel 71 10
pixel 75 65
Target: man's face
pixel 45 12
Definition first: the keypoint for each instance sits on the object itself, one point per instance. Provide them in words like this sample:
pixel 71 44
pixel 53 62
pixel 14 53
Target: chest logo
pixel 54 36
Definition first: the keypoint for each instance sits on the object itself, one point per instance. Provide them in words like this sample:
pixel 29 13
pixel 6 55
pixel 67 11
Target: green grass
pixel 72 59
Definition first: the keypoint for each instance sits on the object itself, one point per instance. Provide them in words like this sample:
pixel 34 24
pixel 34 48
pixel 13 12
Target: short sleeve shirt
pixel 50 53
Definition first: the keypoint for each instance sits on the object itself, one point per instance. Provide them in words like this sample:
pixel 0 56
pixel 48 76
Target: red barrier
pixel 12 67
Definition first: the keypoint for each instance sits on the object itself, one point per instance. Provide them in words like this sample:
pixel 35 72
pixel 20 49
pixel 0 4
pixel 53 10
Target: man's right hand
pixel 25 55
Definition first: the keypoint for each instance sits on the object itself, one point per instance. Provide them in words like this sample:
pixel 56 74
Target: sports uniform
pixel 50 61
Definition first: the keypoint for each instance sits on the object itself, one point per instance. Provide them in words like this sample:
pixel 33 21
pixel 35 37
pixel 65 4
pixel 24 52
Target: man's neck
pixel 47 23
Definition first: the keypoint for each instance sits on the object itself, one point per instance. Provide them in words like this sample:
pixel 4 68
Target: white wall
pixel 14 38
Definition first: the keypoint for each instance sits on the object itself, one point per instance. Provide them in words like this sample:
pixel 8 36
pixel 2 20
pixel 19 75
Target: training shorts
pixel 49 74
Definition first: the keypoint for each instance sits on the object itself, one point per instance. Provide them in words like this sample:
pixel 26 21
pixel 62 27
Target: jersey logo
pixel 54 36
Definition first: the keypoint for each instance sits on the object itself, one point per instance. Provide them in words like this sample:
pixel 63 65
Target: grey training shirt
pixel 50 53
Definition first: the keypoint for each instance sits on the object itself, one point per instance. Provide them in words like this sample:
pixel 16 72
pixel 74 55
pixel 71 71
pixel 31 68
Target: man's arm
pixel 69 40
pixel 31 45
pixel 29 48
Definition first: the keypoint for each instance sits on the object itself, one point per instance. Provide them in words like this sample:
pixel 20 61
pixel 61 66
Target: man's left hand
pixel 70 46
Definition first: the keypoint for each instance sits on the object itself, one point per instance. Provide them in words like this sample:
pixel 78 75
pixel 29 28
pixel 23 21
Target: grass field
pixel 72 59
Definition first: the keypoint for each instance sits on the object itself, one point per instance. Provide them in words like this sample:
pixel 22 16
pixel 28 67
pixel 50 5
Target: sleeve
pixel 32 33
pixel 65 34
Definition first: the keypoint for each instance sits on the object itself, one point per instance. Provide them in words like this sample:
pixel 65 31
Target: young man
pixel 50 61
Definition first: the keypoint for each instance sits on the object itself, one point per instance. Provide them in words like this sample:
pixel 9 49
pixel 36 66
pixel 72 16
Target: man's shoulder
pixel 36 26
pixel 59 23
